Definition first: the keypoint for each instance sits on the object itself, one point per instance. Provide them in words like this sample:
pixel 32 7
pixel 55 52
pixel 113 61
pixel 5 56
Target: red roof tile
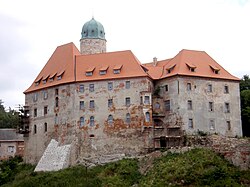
pixel 200 61
pixel 121 60
pixel 67 62
pixel 61 62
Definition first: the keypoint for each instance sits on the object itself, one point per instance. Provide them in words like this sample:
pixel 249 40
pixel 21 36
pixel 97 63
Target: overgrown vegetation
pixel 199 167
pixel 8 119
pixel 12 167
pixel 245 104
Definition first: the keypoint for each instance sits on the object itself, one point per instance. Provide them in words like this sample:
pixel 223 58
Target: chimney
pixel 154 61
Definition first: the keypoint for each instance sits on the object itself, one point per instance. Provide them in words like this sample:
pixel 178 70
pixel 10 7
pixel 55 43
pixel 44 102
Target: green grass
pixel 199 167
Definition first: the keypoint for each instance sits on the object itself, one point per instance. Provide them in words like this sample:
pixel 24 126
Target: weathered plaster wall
pixel 178 94
pixel 102 138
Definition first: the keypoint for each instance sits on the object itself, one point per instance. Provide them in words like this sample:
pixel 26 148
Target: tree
pixel 8 119
pixel 245 83
pixel 245 104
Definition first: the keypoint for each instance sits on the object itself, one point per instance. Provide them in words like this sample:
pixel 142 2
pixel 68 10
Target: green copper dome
pixel 93 29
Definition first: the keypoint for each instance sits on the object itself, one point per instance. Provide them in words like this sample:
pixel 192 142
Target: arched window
pixel 45 127
pixel 92 120
pixel 34 129
pixel 81 121
pixel 110 119
pixel 157 105
pixel 147 117
pixel 128 118
pixel 57 101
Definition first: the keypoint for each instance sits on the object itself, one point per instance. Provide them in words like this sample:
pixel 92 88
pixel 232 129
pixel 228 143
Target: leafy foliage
pixel 199 167
pixel 245 104
pixel 9 119
pixel 9 168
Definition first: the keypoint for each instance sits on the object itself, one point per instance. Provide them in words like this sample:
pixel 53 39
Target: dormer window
pixel 37 81
pixel 191 67
pixel 117 69
pixel 103 70
pixel 52 77
pixel 45 79
pixel 215 69
pixel 59 76
pixel 170 68
pixel 89 71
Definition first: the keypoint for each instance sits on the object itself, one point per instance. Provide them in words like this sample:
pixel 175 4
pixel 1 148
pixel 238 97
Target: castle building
pixel 105 103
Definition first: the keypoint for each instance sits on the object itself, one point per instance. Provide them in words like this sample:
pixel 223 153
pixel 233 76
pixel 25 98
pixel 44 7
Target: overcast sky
pixel 31 30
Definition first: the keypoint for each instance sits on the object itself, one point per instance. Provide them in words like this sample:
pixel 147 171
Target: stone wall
pixel 235 150
pixel 92 46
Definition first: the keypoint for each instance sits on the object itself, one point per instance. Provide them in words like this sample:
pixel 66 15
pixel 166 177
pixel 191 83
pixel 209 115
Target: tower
pixel 93 38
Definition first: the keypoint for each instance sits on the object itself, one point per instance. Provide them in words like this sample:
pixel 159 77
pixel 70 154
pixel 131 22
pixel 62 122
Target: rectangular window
pixel 81 88
pixel 127 101
pixel 110 85
pixel 167 105
pixel 190 123
pixel 11 149
pixel 141 100
pixel 228 125
pixel 211 106
pixel 103 72
pixel 211 124
pixel 166 88
pixel 91 87
pixel 89 73
pixel 209 88
pixel 189 87
pixel 110 102
pixel 146 100
pixel 35 112
pixel 45 127
pixel 190 105
pixel 91 104
pixel 56 119
pixel 227 108
pixel 127 84
pixel 56 91
pixel 45 95
pixel 117 71
pixel 226 89
pixel 45 110
pixel 35 97
pixel 81 105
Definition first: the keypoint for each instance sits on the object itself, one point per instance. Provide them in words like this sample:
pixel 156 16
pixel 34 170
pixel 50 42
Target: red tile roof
pixel 61 62
pixel 125 61
pixel 201 63
pixel 68 64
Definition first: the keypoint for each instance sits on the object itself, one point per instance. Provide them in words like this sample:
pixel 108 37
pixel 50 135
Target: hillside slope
pixel 198 167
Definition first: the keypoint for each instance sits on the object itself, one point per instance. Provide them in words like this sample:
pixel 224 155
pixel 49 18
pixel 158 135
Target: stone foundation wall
pixel 235 150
